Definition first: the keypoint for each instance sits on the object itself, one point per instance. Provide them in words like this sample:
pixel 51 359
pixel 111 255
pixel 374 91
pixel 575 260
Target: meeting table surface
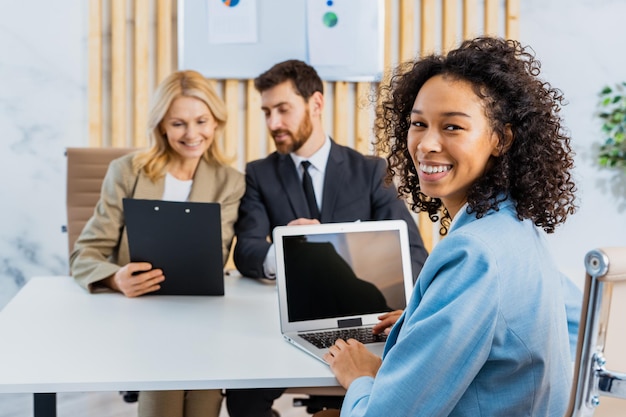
pixel 57 337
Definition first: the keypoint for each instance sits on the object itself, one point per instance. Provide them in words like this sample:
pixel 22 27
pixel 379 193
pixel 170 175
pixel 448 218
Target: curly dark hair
pixel 534 171
pixel 305 79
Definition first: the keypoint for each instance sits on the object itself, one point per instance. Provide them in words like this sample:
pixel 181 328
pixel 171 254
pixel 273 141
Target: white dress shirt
pixel 175 189
pixel 317 170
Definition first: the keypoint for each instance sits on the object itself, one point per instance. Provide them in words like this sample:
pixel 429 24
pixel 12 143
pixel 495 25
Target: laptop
pixel 335 279
pixel 184 239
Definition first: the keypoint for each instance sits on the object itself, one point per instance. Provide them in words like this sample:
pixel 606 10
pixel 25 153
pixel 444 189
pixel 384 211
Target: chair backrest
pixel 596 390
pixel 86 168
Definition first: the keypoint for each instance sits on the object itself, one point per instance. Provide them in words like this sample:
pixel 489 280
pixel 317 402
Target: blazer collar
pixel 288 176
pixel 463 218
pixel 203 179
pixel 334 181
pixel 149 190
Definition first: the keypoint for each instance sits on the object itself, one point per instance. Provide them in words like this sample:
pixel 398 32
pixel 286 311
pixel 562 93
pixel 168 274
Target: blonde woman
pixel 183 163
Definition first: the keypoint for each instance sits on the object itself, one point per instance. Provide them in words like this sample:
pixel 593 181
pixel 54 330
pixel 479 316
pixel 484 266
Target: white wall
pixel 43 109
pixel 581 45
pixel 43 72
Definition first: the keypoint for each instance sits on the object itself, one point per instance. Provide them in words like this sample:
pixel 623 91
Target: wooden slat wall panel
pixel 407 30
pixel 94 93
pixel 340 115
pixel 118 73
pixel 140 75
pixel 450 15
pixel 254 130
pixel 231 133
pixel 512 19
pixel 428 27
pixel 492 10
pixel 412 28
pixel 470 19
pixel 362 119
pixel 164 38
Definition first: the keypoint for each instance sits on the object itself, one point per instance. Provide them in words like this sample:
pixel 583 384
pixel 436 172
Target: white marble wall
pixel 582 47
pixel 43 73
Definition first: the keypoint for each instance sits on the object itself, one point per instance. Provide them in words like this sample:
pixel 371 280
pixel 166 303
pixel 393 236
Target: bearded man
pixel 308 179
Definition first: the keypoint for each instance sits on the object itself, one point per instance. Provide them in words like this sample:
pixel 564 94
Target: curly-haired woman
pixel 474 137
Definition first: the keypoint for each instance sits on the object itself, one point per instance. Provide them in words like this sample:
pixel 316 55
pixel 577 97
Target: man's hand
pixel 387 321
pixel 350 360
pixel 144 281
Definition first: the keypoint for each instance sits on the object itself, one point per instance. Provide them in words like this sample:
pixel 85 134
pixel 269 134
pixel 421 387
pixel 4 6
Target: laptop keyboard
pixel 327 339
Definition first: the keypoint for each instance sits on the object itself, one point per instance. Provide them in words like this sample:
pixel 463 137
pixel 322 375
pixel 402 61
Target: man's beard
pixel 297 139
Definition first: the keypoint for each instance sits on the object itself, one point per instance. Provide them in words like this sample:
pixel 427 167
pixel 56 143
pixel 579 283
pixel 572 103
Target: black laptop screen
pixel 343 274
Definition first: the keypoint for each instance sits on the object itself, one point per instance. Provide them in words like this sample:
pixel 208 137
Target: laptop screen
pixel 340 274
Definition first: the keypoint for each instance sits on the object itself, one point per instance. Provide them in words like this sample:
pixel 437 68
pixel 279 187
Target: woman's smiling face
pixel 189 127
pixel 450 140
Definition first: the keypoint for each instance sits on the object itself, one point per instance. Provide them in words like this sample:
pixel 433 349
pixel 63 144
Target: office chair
pixel 86 168
pixel 596 390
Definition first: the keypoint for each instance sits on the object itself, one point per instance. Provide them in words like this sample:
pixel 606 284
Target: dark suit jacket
pixel 354 189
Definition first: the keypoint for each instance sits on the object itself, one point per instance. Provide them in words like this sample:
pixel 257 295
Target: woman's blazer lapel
pixel 148 190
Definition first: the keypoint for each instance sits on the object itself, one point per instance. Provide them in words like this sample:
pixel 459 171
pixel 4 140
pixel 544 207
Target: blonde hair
pixel 179 84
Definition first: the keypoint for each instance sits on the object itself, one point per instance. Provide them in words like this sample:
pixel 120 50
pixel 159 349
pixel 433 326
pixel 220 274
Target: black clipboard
pixel 184 239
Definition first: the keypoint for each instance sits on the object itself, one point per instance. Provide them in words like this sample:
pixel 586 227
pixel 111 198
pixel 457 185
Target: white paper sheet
pixel 232 21
pixel 337 28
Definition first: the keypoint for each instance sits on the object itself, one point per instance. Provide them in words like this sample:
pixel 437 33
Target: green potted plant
pixel 612 112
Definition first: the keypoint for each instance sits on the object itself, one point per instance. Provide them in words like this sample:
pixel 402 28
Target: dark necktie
pixel 307 185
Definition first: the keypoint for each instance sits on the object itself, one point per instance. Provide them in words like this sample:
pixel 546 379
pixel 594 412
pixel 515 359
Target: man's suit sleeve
pixel 252 229
pixel 387 205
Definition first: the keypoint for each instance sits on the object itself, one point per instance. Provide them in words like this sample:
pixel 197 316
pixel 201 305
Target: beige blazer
pixel 102 247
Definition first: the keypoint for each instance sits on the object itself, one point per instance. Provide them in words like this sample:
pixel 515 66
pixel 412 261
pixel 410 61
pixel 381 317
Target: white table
pixel 56 337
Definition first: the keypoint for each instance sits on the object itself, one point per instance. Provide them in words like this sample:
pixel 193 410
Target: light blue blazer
pixel 485 332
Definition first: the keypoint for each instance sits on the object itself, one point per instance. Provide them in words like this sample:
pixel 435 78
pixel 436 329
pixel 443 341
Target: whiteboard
pixel 282 34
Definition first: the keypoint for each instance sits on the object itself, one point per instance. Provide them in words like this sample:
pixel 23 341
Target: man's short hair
pixel 304 78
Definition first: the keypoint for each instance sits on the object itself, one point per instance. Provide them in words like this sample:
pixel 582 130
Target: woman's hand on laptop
pixel 135 279
pixel 387 321
pixel 350 360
